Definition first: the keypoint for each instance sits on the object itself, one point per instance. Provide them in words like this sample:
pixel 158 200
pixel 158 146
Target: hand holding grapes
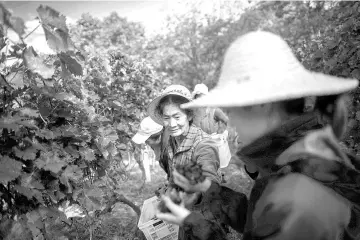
pixel 175 214
pixel 191 179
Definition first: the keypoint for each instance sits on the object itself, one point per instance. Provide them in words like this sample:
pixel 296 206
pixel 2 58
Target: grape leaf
pixel 24 191
pixel 50 161
pixel 35 218
pixel 3 82
pixel 49 212
pixel 73 172
pixel 65 113
pixel 92 199
pixel 30 123
pixel 47 134
pixel 27 154
pixel 74 153
pixel 35 223
pixel 10 169
pixel 44 110
pixel 29 112
pixel 88 154
pixel 35 63
pixel 71 64
pixel 56 31
pixel 16 79
pixel 16 23
pixel 30 193
pixel 28 180
pixel 9 123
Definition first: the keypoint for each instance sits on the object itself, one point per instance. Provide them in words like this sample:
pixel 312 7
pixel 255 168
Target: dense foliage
pixel 65 120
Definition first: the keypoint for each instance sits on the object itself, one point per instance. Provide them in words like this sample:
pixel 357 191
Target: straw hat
pixel 147 128
pixel 200 89
pixel 178 90
pixel 260 67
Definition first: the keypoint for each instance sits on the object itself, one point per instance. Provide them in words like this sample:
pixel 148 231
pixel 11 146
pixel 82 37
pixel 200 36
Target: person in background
pixel 187 144
pixel 308 188
pixel 210 120
pixel 153 134
pixel 214 122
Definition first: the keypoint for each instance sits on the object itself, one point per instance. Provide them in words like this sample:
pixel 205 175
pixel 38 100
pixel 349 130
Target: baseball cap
pixel 148 127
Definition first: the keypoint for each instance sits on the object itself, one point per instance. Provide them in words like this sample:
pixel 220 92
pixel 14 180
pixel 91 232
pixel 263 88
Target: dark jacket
pixel 308 189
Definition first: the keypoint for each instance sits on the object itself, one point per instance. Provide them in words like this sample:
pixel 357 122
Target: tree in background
pixel 191 48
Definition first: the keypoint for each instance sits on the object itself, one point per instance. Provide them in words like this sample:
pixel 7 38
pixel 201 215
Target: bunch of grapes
pixel 192 172
pixel 174 196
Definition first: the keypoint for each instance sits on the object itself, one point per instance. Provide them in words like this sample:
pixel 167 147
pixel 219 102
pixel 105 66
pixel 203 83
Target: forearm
pixel 207 156
pixel 219 115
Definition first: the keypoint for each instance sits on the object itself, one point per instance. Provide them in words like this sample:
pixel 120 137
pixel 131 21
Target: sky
pixel 145 11
pixel 150 13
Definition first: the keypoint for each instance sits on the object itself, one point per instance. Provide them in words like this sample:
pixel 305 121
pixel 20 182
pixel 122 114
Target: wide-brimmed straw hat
pixel 178 90
pixel 147 128
pixel 259 67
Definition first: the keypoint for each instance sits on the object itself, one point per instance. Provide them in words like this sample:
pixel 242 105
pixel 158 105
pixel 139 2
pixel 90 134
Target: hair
pixel 332 108
pixel 176 100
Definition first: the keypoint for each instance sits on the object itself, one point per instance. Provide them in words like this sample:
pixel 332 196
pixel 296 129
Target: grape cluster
pixel 192 172
pixel 174 196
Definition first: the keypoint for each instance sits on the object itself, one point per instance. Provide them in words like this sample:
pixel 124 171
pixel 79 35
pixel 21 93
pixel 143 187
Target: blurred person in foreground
pixel 307 187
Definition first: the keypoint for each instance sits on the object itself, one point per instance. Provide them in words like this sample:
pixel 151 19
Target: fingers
pixel 187 199
pixel 170 204
pixel 177 215
pixel 181 181
pixel 168 217
pixel 183 199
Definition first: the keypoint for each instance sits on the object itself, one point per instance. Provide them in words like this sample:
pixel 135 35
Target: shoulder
pixel 294 199
pixel 199 134
pixel 319 144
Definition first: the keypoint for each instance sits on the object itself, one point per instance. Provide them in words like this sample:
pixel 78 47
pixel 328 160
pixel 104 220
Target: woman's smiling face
pixel 175 120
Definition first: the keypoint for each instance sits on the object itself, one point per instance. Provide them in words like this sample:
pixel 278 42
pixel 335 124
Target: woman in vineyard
pixel 187 144
pixel 307 187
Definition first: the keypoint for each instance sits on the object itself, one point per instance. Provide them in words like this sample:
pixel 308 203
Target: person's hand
pixel 178 212
pixel 184 183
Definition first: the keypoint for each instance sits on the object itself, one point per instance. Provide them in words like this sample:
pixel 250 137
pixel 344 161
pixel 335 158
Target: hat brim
pixel 140 138
pixel 254 92
pixel 153 105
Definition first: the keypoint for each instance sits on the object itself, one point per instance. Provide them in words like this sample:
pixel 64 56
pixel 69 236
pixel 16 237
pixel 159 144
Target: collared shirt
pixel 197 147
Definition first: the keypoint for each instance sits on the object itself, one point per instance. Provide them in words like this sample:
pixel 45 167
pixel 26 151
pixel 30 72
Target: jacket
pixel 308 189
pixel 200 148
